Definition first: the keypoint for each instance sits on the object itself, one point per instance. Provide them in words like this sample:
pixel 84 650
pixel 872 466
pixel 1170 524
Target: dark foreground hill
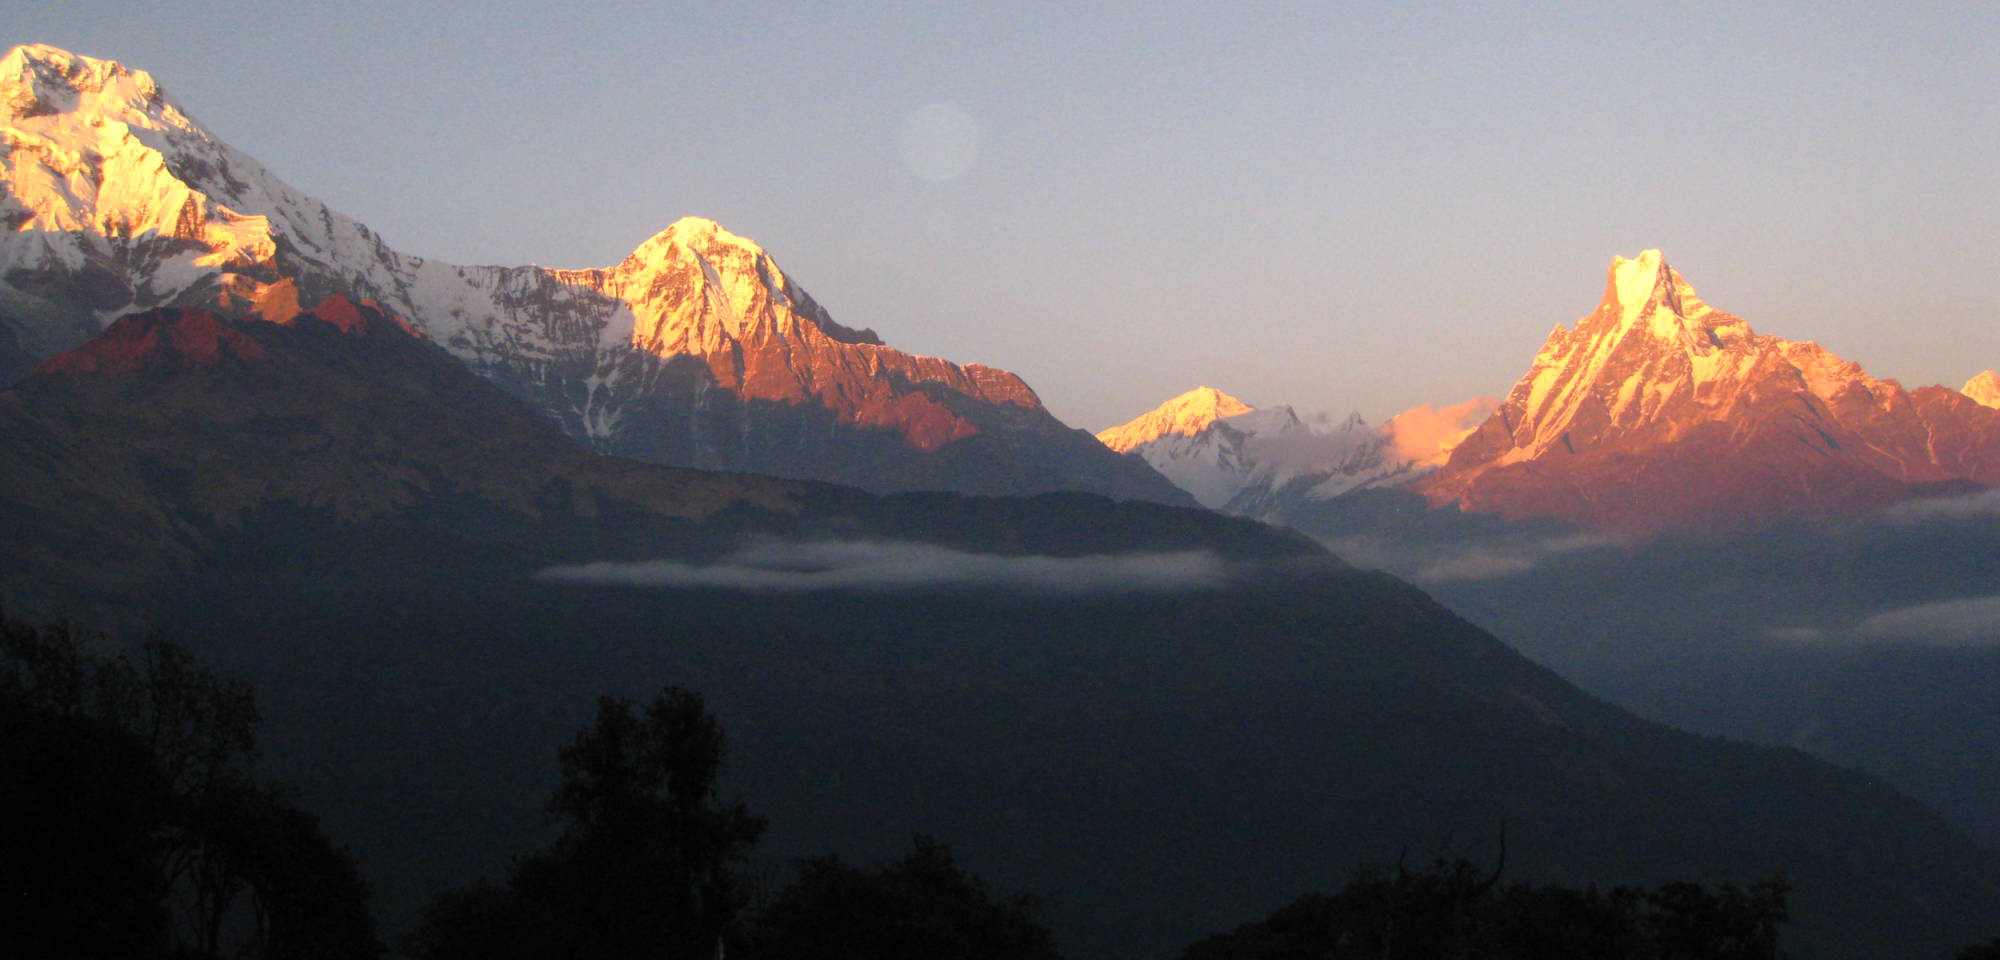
pixel 1164 723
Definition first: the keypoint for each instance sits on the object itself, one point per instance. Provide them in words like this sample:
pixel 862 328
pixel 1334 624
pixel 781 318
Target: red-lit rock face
pixel 697 289
pixel 1658 412
pixel 157 340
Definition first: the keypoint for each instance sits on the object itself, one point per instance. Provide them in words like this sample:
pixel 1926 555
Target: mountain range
pixel 696 350
pixel 1657 413
pixel 1162 720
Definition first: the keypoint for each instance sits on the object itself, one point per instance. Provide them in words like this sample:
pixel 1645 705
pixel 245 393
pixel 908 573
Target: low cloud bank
pixel 1985 503
pixel 1974 621
pixel 1796 635
pixel 1495 562
pixel 842 565
pixel 1427 562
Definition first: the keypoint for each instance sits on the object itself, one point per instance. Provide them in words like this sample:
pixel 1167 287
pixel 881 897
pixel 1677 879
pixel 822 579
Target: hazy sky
pixel 1338 206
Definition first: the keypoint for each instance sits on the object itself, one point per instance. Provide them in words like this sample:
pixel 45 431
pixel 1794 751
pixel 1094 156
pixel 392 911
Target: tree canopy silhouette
pixel 136 828
pixel 922 907
pixel 647 864
pixel 1456 909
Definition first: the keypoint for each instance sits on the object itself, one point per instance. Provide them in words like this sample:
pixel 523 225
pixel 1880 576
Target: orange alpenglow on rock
pixel 1659 412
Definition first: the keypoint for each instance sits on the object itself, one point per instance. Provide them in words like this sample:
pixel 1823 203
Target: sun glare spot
pixel 938 141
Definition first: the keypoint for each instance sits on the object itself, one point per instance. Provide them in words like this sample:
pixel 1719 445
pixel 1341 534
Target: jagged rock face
pixel 696 350
pixel 1261 463
pixel 1659 412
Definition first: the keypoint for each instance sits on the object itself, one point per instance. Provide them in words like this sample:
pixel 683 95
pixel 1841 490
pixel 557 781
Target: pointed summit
pixel 1643 280
pixel 1659 412
pixel 1650 345
pixel 1635 281
pixel 1646 293
pixel 1184 415
pixel 698 234
pixel 1984 388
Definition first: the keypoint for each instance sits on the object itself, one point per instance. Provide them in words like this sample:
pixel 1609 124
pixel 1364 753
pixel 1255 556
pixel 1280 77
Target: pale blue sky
pixel 1337 206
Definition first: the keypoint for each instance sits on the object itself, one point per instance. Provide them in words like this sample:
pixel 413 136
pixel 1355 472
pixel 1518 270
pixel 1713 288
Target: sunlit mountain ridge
pixel 1655 413
pixel 1659 412
pixel 695 350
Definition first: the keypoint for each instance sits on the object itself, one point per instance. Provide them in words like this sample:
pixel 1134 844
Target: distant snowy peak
pixel 1984 388
pixel 1184 415
pixel 1203 442
pixel 1264 462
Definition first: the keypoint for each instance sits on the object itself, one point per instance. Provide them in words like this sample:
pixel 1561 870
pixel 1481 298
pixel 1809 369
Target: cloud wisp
pixel 1985 503
pixel 774 565
pixel 1969 622
pixel 1496 562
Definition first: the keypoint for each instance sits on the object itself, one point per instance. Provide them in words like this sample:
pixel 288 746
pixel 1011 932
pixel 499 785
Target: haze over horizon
pixel 1363 209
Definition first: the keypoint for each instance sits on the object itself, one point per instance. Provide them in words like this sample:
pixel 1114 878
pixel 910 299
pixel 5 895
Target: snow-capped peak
pixel 1647 293
pixel 1650 343
pixel 1984 388
pixel 1185 415
pixel 1265 462
pixel 1634 280
pixel 1651 367
pixel 37 79
pixel 694 233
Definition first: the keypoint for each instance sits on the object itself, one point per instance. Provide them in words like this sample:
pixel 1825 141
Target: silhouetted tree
pixel 647 862
pixel 136 828
pixel 919 908
pixel 1717 921
pixel 1457 909
pixel 83 867
pixel 1990 950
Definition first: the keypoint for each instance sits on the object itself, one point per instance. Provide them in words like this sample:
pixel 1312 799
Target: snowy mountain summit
pixel 1659 412
pixel 695 350
pixel 1984 388
pixel 1260 462
pixel 1185 415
